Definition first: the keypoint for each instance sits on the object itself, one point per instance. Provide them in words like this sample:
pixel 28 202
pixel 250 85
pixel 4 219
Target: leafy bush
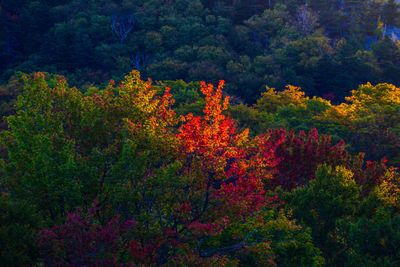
pixel 19 226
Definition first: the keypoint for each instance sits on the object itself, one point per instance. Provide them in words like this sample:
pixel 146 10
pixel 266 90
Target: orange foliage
pixel 214 137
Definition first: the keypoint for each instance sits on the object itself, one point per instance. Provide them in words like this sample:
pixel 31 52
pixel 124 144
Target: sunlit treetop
pixel 272 99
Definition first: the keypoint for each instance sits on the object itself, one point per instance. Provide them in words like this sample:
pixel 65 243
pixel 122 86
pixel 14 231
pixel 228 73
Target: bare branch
pixel 307 19
pixel 122 26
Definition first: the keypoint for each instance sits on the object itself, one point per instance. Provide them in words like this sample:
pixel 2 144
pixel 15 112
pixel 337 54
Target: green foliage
pixel 19 225
pixel 369 241
pixel 271 100
pixel 251 118
pixel 63 146
pixel 349 229
pixel 372 116
pixel 333 195
pixel 282 41
pixel 45 158
pixel 272 237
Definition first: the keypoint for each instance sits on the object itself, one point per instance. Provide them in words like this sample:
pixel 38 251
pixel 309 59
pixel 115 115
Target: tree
pixel 122 25
pixel 391 13
pixel 307 20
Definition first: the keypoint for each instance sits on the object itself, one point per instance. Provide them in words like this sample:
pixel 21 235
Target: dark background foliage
pixel 325 47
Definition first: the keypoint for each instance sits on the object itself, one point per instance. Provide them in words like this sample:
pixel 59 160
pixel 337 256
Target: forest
pixel 199 133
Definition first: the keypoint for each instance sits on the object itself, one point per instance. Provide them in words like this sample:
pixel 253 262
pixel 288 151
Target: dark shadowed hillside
pixel 325 47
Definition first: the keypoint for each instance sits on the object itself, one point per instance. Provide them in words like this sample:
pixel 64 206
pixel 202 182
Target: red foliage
pixel 299 157
pixel 371 175
pixel 83 242
pixel 213 142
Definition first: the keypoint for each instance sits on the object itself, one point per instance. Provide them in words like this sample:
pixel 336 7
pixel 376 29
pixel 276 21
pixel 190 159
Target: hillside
pixel 325 47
